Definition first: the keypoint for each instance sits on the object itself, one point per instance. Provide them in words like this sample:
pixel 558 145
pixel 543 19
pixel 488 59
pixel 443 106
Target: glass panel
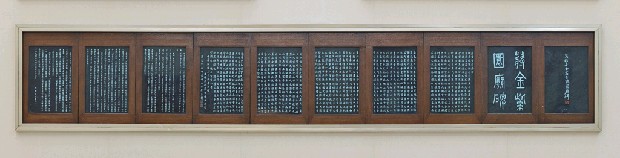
pixel 164 80
pixel 394 80
pixel 279 80
pixel 566 79
pixel 107 79
pixel 49 79
pixel 452 79
pixel 221 80
pixel 336 80
pixel 509 79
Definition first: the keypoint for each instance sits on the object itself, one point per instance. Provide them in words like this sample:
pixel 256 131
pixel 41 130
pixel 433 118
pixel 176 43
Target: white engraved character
pixel 500 98
pixel 520 80
pixel 499 81
pixel 498 60
pixel 519 60
pixel 520 99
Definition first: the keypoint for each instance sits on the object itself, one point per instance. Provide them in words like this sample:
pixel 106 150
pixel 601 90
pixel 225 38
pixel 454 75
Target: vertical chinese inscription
pixel 509 79
pixel 164 80
pixel 221 80
pixel 279 80
pixel 566 79
pixel 49 79
pixel 107 79
pixel 452 79
pixel 394 80
pixel 336 80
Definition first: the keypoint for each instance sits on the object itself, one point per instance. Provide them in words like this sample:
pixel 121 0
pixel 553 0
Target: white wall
pixel 298 145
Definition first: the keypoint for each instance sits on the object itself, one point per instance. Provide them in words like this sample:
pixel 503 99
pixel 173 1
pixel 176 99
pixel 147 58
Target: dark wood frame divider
pixel 281 40
pixel 393 40
pixel 452 39
pixel 165 39
pixel 567 39
pixel 51 39
pixel 238 40
pixel 511 39
pixel 108 39
pixel 339 40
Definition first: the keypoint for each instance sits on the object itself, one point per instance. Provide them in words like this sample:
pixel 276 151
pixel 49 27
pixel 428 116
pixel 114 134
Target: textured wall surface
pixel 300 145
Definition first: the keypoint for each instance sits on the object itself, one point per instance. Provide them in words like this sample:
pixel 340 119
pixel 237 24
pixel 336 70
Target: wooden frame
pixel 51 39
pixel 22 122
pixel 394 40
pixel 280 40
pixel 450 39
pixel 241 40
pixel 164 39
pixel 511 39
pixel 568 39
pixel 108 39
pixel 339 40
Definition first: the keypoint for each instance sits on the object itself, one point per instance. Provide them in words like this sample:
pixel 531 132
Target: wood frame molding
pixel 164 39
pixel 339 40
pixel 229 40
pixel 512 39
pixel 544 37
pixel 280 40
pixel 568 39
pixel 451 39
pixel 108 39
pixel 51 39
pixel 391 40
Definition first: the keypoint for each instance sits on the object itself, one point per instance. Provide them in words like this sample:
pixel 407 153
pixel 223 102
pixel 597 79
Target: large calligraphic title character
pixel 498 60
